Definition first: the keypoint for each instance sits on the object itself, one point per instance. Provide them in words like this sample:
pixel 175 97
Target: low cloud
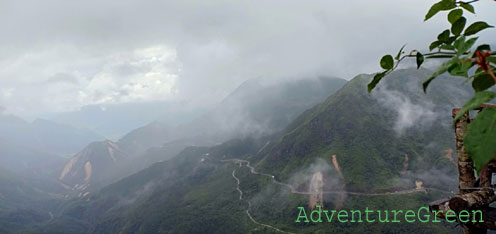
pixel 408 114
pixel 194 50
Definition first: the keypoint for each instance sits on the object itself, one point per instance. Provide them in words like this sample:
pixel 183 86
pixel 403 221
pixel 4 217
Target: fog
pixel 409 114
pixel 111 106
pixel 60 56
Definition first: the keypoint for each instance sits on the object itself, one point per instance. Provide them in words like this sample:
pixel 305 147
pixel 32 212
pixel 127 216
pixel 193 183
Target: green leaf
pixel 447 47
pixel 475 102
pixel 454 15
pixel 440 6
pixel 451 39
pixel 387 62
pixel 483 47
pixel 444 36
pixel 458 26
pixel 462 48
pixel 482 81
pixel 442 69
pixel 476 27
pixel 468 7
pixel 434 45
pixel 376 80
pixel 480 138
pixel 460 68
pixel 400 52
pixel 459 42
pixel 420 59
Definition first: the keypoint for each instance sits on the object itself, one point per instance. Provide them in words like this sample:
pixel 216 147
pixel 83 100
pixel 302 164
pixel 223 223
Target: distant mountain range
pixel 253 109
pixel 113 121
pixel 45 136
pixel 40 148
pixel 395 139
pixel 32 154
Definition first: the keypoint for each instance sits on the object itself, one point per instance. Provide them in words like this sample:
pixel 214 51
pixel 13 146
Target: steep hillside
pixel 139 140
pixel 393 150
pixel 372 133
pixel 91 164
pixel 257 109
pixel 253 109
pixel 23 202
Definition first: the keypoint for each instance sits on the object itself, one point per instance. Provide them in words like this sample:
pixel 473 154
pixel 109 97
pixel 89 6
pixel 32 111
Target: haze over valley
pixel 220 116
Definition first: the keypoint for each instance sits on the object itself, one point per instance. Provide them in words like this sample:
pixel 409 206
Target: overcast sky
pixel 61 55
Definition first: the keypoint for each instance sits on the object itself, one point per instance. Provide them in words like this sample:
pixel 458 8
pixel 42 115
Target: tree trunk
pixel 466 177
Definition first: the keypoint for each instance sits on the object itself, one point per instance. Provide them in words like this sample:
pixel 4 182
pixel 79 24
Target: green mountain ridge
pixel 196 191
pixel 359 129
pixel 23 203
pixel 253 109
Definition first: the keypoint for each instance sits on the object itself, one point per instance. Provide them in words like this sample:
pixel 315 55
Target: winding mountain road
pixel 246 163
pixel 249 206
pixel 293 190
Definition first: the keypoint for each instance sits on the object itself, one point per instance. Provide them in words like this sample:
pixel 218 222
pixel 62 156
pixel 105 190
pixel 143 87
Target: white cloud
pixel 96 50
pixel 408 114
pixel 139 75
pixel 143 75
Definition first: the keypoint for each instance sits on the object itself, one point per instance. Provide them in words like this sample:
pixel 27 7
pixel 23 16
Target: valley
pixel 254 183
pixel 247 117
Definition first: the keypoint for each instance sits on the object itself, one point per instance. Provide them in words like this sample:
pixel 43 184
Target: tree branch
pixel 462 2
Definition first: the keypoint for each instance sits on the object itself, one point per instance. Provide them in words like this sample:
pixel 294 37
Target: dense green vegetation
pixel 22 203
pixel 195 191
pixel 358 128
pixel 457 47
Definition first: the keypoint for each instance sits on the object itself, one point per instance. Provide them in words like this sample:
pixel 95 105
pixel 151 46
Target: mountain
pixel 113 121
pixel 395 120
pixel 256 108
pixel 140 139
pixel 391 149
pixel 253 109
pixel 30 161
pixel 24 202
pixel 92 161
pixel 45 136
pixel 23 160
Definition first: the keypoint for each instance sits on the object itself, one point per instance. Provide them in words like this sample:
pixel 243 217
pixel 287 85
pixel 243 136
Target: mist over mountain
pixel 92 161
pixel 370 134
pixel 24 202
pixel 38 150
pixel 356 142
pixel 254 109
pixel 115 120
pixel 44 135
pixel 194 116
